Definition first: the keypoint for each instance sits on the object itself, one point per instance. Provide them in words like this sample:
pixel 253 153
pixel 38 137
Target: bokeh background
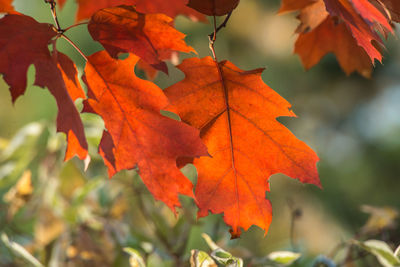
pixel 72 217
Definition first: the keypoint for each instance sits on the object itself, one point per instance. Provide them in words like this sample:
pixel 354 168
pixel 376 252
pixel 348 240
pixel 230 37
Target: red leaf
pixel 16 31
pixel 138 135
pixel 150 36
pixel 214 7
pixel 86 8
pixel 336 38
pixel 236 114
pixel 171 8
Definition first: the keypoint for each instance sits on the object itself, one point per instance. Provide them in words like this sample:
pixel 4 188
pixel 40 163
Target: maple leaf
pixel 137 134
pixel 336 38
pixel 6 6
pixel 320 32
pixel 362 18
pixel 214 7
pixel 150 36
pixel 16 31
pixel 86 8
pixel 236 113
pixel 171 8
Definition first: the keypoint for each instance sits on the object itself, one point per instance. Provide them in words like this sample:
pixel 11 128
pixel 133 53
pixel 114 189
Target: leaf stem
pixel 74 46
pixel 75 25
pixel 213 36
pixel 54 14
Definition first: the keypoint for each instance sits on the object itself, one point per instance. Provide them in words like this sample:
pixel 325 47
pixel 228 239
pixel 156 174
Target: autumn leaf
pixel 137 134
pixel 321 31
pixel 336 38
pixel 361 18
pixel 16 31
pixel 214 7
pixel 70 77
pixel 150 36
pixel 86 8
pixel 236 114
pixel 171 8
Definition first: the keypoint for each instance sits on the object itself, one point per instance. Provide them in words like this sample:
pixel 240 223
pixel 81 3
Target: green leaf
pixel 20 251
pixel 283 257
pixel 200 258
pixel 135 260
pixel 397 252
pixel 221 256
pixel 381 251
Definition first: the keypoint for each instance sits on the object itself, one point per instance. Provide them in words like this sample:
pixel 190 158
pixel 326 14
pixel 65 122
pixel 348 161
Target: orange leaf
pixel 70 76
pixel 336 38
pixel 171 8
pixel 236 114
pixel 137 134
pixel 16 31
pixel 86 8
pixel 150 36
pixel 214 7
pixel 6 6
pixel 362 19
pixel 311 16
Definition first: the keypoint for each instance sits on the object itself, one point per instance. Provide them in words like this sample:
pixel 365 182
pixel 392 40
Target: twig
pixel 54 14
pixel 222 25
pixel 213 36
pixel 295 213
pixel 74 46
pixel 73 26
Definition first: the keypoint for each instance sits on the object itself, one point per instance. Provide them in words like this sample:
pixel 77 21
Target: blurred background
pixel 66 216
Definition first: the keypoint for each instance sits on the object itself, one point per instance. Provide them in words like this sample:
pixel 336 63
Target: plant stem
pixel 73 26
pixel 74 46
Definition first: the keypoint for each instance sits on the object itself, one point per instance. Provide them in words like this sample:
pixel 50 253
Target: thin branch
pixel 211 39
pixel 54 14
pixel 223 24
pixel 74 46
pixel 213 36
pixel 75 25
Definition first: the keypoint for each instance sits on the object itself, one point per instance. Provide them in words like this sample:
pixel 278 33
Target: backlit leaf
pixel 137 134
pixel 236 114
pixel 150 36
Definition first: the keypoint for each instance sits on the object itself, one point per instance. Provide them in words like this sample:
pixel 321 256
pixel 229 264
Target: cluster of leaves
pixel 229 128
pixel 347 28
pixel 232 110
